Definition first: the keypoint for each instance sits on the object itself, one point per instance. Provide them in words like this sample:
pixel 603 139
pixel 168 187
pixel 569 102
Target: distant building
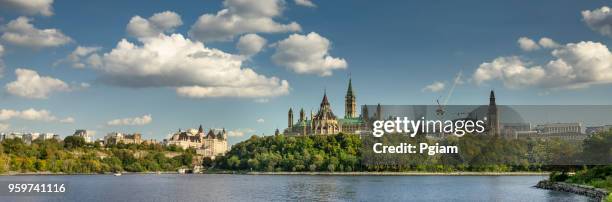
pixel 493 116
pixel 598 129
pixel 211 144
pixel 87 135
pixel 551 128
pixel 116 138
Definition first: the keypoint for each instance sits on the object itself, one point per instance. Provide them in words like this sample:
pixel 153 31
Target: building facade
pixel 211 144
pixel 116 138
pixel 324 121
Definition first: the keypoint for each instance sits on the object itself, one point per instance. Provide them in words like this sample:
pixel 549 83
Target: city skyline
pixel 155 68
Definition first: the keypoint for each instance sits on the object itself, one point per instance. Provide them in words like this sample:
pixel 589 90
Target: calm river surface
pixel 209 187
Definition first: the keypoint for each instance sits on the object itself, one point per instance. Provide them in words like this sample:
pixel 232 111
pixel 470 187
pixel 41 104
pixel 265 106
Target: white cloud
pixel 260 120
pixel 527 44
pixel 163 22
pixel 79 56
pixel 67 120
pixel 436 86
pixel 240 132
pixel 193 69
pixel 262 100
pixel 250 44
pixel 29 7
pixel 240 17
pixel 548 43
pixel 576 65
pixel 135 121
pixel 30 114
pixel 307 3
pixel 599 20
pixel 21 32
pixel 307 54
pixel 31 85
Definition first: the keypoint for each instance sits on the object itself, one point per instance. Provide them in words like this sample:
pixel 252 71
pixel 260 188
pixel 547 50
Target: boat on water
pixel 117 174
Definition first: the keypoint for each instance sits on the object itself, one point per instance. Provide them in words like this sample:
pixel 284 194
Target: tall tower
pixel 302 115
pixel 290 118
pixel 493 115
pixel 378 112
pixel 349 102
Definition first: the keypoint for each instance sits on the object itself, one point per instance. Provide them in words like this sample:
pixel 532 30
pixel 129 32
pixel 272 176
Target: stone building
pixel 211 144
pixel 325 122
pixel 116 138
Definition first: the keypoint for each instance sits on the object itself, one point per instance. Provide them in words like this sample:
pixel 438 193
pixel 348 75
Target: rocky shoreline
pixel 596 193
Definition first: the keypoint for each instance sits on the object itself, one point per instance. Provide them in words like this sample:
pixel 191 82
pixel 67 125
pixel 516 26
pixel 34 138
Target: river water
pixel 167 187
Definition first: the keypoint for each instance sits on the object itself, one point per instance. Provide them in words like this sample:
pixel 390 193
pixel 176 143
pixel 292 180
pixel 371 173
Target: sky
pixel 155 67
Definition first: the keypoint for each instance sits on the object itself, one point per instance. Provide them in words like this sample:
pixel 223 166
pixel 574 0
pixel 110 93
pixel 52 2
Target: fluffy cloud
pixel 240 17
pixel 576 65
pixel 30 114
pixel 193 69
pixel 136 121
pixel 29 7
pixel 436 86
pixel 260 120
pixel 307 3
pixel 599 20
pixel 163 22
pixel 548 43
pixel 240 132
pixel 527 44
pixel 307 54
pixel 21 32
pixel 250 44
pixel 79 56
pixel 31 85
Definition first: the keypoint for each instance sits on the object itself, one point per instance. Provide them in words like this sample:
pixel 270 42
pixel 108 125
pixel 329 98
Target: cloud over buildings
pixel 30 84
pixel 132 121
pixel 307 54
pixel 575 65
pixel 240 17
pixel 190 67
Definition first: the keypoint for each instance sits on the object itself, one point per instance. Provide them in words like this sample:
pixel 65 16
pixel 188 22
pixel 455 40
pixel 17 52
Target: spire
pixel 324 101
pixel 492 98
pixel 349 91
pixel 200 129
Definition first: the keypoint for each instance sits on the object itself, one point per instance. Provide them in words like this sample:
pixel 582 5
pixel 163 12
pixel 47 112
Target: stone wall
pixel 596 193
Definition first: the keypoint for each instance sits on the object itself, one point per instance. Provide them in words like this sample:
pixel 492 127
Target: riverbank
pixel 310 173
pixel 595 193
pixel 405 173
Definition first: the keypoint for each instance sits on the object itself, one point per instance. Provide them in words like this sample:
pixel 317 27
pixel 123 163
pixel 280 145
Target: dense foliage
pixel 294 153
pixel 73 155
pixel 345 152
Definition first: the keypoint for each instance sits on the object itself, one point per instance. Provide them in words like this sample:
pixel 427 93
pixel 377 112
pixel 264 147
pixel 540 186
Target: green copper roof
pixel 351 121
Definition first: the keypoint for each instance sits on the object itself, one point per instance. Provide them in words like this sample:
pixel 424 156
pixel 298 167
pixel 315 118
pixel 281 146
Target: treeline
pixel 73 155
pixel 288 153
pixel 347 152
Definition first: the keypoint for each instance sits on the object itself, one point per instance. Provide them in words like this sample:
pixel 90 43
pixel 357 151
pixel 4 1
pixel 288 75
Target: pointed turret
pixel 290 118
pixel 324 101
pixel 350 103
pixel 200 129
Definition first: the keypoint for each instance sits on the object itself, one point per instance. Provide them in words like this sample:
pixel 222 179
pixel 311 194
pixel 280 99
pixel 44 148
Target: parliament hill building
pixel 325 122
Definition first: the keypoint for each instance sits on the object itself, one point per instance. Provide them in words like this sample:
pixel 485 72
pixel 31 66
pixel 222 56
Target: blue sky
pixel 392 50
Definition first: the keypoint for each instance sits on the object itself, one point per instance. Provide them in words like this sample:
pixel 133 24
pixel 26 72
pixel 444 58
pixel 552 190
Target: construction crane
pixel 441 111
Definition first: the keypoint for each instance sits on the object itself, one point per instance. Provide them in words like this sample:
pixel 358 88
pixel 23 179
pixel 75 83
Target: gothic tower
pixel 349 102
pixel 290 118
pixel 302 115
pixel 493 115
